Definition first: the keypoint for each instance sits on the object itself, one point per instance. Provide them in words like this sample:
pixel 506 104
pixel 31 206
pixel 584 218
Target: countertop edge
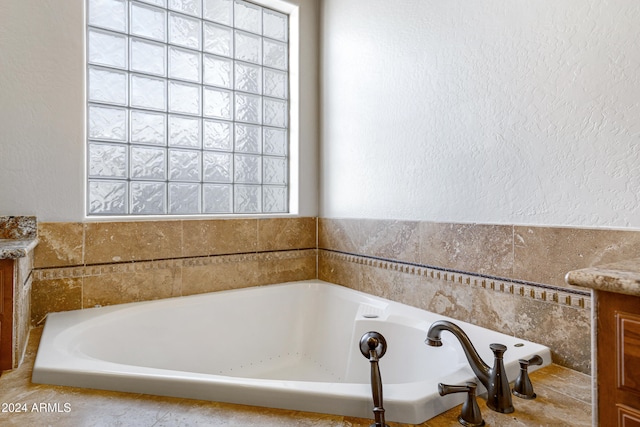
pixel 620 277
pixel 16 248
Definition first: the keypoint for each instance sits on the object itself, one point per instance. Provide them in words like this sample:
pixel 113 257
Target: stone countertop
pixel 621 277
pixel 16 248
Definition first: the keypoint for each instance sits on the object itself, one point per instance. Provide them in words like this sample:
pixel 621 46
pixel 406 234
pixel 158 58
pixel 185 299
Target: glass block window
pixel 187 107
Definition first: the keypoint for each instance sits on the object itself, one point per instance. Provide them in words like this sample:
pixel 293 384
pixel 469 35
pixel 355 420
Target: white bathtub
pixel 292 346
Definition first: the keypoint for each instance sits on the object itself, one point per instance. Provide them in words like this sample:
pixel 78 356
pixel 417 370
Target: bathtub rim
pixel 343 396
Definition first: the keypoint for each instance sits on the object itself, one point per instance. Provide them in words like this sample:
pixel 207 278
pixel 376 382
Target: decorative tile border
pixel 137 266
pixel 541 292
pixel 537 291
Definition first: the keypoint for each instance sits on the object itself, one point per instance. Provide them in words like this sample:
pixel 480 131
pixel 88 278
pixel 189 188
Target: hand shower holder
pixel 373 346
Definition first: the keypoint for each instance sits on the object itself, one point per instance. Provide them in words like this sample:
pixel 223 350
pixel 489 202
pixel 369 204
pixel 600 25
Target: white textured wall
pixel 42 108
pixel 490 111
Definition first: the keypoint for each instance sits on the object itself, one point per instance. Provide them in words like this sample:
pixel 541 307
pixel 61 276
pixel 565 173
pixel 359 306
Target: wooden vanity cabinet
pixel 6 314
pixel 618 347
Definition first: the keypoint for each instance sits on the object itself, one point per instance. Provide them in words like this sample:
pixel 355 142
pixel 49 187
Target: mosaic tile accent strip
pixel 132 267
pixel 541 292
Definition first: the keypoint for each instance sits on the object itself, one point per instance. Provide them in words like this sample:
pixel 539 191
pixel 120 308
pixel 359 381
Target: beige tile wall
pixel 535 254
pixel 80 265
pixel 507 278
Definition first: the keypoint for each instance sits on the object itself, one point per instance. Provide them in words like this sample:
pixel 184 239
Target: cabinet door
pixel 628 351
pixel 628 417
pixel 618 359
pixel 6 313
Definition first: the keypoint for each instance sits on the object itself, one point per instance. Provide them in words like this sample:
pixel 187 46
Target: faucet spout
pixel 480 369
pixel 493 378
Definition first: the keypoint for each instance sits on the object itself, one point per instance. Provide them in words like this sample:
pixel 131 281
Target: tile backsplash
pixel 530 253
pixel 505 277
pixel 81 265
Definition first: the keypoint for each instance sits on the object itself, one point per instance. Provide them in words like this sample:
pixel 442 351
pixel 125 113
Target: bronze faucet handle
pixel 498 350
pixel 523 388
pixel 470 415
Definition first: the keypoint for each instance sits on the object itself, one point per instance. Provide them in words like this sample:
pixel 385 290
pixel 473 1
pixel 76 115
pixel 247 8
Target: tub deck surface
pixel 564 399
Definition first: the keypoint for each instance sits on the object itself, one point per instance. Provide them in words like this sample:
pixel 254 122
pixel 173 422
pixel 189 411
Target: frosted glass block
pixel 148 163
pixel 275 54
pixel 107 160
pixel 275 170
pixel 148 128
pixel 275 112
pixel 275 83
pixel 184 165
pixel 275 199
pixel 107 86
pixel 217 135
pixel 275 141
pixel 184 131
pixel 217 103
pixel 275 25
pixel 148 57
pixel 107 123
pixel 191 7
pixel 217 198
pixel 248 16
pixel 218 40
pixel 217 71
pixel 248 77
pixel 248 138
pixel 219 10
pixel 184 64
pixel 148 198
pixel 247 199
pixel 107 197
pixel 184 98
pixel 161 3
pixel 218 167
pixel 148 21
pixel 248 108
pixel 107 48
pixel 248 47
pixel 206 148
pixel 247 169
pixel 184 31
pixel 184 198
pixel 110 14
pixel 148 92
